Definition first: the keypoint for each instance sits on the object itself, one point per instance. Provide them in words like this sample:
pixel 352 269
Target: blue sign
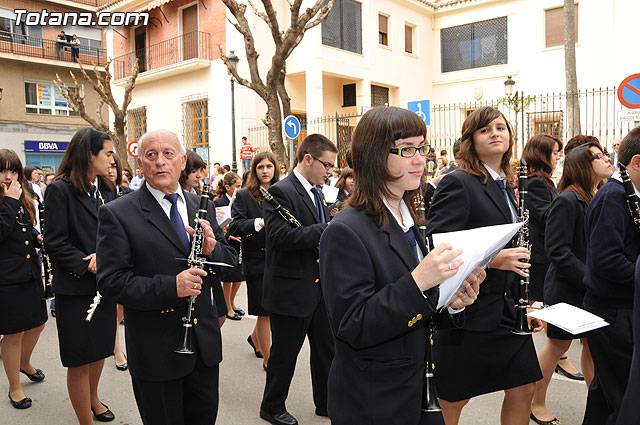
pixel 422 108
pixel 291 127
pixel 45 147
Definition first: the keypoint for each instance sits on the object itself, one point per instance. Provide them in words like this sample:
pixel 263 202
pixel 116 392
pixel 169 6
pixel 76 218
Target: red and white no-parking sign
pixel 132 148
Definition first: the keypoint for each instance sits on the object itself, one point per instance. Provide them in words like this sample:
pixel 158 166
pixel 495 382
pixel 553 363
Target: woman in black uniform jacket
pixel 22 310
pixel 468 198
pixel 345 187
pixel 566 247
pixel 248 224
pixel 71 214
pixel 232 280
pixel 380 282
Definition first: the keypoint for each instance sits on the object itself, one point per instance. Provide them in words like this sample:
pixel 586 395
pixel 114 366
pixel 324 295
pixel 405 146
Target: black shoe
pixel 107 416
pixel 256 352
pixel 264 366
pixel 278 418
pixel 239 311
pixel 321 412
pixel 575 376
pixel 35 377
pixel 554 421
pixel 235 316
pixel 53 313
pixel 123 366
pixel 25 403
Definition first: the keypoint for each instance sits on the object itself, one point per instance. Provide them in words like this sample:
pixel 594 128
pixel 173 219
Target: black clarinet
pixel 429 395
pixel 632 199
pixel 46 262
pixel 521 326
pixel 196 259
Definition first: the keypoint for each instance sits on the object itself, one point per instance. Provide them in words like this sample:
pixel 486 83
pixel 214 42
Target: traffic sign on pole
pixel 629 91
pixel 132 148
pixel 291 127
pixel 422 108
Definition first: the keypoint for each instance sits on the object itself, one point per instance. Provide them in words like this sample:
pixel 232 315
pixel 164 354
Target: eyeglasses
pixel 600 156
pixel 410 151
pixel 327 165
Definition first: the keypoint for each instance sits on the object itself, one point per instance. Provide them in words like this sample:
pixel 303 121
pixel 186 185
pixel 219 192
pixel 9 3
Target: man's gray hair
pixel 155 133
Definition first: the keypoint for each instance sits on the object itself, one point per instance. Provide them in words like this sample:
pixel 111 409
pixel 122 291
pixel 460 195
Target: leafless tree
pixel 101 83
pixel 273 90
pixel 573 97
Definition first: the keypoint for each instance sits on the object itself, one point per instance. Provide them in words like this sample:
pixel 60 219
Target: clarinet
pixel 632 199
pixel 46 262
pixel 196 259
pixel 429 395
pixel 522 325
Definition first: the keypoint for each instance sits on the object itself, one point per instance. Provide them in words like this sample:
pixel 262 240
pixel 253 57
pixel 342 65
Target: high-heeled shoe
pixel 35 377
pixel 256 352
pixel 25 403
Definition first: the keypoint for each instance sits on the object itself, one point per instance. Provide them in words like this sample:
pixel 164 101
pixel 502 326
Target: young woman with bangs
pixel 23 312
pixel 248 224
pixel 475 195
pixel 380 281
pixel 585 168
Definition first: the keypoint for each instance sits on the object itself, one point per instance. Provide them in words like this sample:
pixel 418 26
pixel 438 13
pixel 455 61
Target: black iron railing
pixel 49 49
pixel 192 45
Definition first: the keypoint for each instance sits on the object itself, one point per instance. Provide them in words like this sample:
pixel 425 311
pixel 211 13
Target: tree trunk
pixel 573 97
pixel 274 124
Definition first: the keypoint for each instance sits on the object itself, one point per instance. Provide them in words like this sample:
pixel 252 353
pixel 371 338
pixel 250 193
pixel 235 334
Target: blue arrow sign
pixel 291 127
pixel 422 108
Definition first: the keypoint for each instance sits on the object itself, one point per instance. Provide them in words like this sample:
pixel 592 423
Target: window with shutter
pixel 554 26
pixel 408 38
pixel 343 26
pixel 383 33
pixel 474 45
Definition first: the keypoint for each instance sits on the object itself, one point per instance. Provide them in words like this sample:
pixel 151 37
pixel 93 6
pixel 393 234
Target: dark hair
pixel 629 146
pixel 375 134
pixel 226 168
pixel 456 148
pixel 116 160
pixel 537 155
pixel 244 137
pixel 346 172
pixel 314 145
pixel 10 161
pixel 227 180
pixel 579 140
pixel 194 162
pixel 75 163
pixel 128 173
pixel 443 152
pixel 47 175
pixel 253 181
pixel 28 171
pixel 469 160
pixel 578 174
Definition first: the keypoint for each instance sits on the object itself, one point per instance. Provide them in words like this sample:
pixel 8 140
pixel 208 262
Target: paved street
pixel 241 385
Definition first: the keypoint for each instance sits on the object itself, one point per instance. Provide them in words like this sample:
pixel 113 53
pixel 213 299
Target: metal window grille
pixel 474 45
pixel 136 123
pixel 379 96
pixel 547 123
pixel 348 95
pixel 343 26
pixel 195 124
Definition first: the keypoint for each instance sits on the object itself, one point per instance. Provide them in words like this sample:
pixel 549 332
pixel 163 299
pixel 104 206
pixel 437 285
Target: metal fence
pixel 27 45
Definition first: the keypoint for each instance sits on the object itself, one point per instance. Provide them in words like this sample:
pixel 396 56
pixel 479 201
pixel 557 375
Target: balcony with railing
pixel 177 55
pixel 26 45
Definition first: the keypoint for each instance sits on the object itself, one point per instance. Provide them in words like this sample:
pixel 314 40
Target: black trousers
pixel 612 352
pixel 191 400
pixel 287 336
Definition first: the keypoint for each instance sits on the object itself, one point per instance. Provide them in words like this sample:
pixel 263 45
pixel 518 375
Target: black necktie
pixel 502 187
pixel 94 198
pixel 319 209
pixel 411 237
pixel 176 220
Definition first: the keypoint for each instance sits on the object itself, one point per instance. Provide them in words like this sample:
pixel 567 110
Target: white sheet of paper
pixel 569 318
pixel 330 193
pixel 479 247
pixel 227 214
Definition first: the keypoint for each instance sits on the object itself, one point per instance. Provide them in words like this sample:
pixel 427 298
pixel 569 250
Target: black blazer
pixel 538 200
pixel 18 257
pixel 378 316
pixel 244 211
pixel 566 247
pixel 139 256
pixel 462 202
pixel 291 275
pixel 223 201
pixel 70 235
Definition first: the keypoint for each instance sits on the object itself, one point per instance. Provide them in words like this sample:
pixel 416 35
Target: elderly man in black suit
pixel 141 240
pixel 291 280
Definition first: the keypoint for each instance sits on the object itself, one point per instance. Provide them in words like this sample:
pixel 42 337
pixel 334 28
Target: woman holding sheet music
pixel 566 247
pixel 475 196
pixel 380 281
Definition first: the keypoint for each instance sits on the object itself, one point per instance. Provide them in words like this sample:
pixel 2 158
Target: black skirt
pixel 235 275
pixel 80 342
pixel 22 307
pixel 254 296
pixel 469 364
pixel 537 273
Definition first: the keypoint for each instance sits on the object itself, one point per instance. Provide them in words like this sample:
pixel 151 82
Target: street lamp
pixel 233 60
pixel 508 86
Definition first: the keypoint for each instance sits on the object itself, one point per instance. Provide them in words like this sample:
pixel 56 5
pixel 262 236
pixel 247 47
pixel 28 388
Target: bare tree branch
pixel 259 14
